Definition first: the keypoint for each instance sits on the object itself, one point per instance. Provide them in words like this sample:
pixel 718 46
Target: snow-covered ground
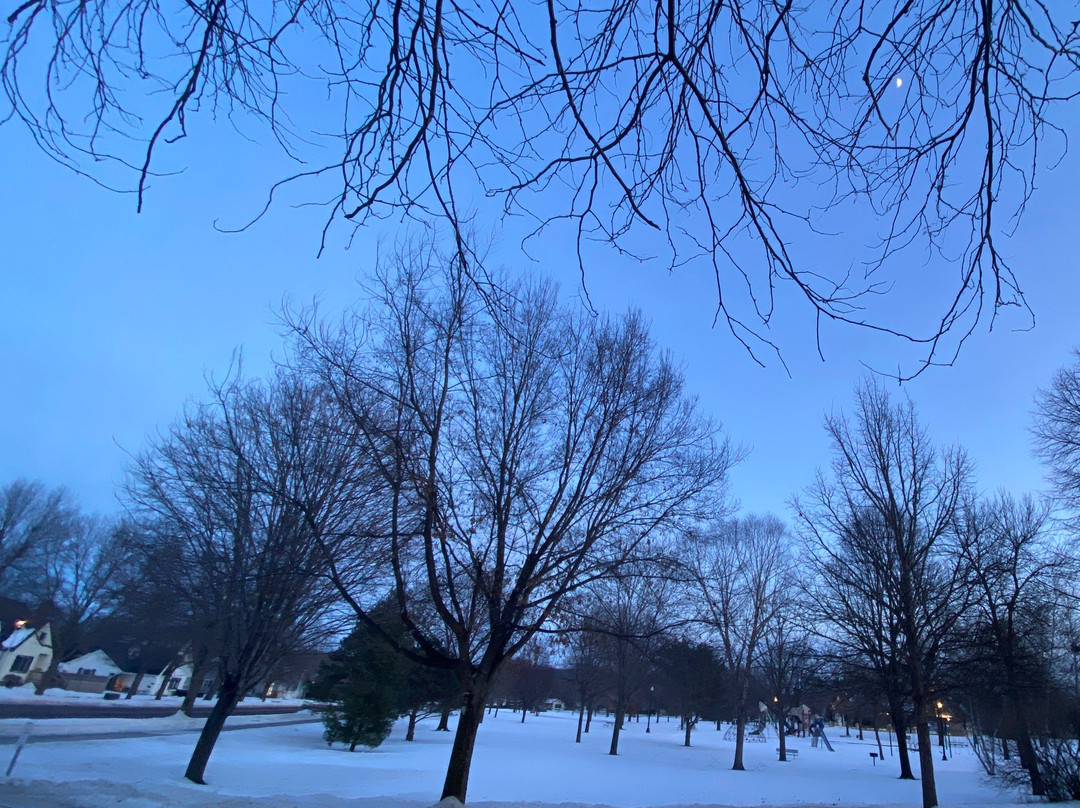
pixel 56 695
pixel 65 729
pixel 531 765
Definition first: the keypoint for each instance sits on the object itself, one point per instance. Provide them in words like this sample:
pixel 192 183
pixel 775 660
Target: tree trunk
pixel 135 685
pixel 906 772
pixel 900 728
pixel 1026 749
pixel 588 719
pixel 457 772
pixel 198 673
pixel 689 727
pixel 410 734
pixel 523 711
pixel 187 706
pixel 620 711
pixel 165 675
pixel 926 759
pixel 1030 761
pixel 782 734
pixel 740 731
pixel 211 730
pixel 444 720
pixel 580 721
pixel 49 677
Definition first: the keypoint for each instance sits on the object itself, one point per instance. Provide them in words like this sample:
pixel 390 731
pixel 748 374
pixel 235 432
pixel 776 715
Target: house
pixel 25 655
pixel 178 683
pixel 89 673
pixel 96 663
pixel 150 682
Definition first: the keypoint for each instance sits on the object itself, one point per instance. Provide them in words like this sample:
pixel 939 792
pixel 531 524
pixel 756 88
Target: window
pixel 21 664
pixel 87 671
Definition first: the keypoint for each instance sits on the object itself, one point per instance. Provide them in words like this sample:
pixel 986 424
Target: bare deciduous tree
pixel 1016 574
pixel 853 606
pixel 523 452
pixel 30 516
pixel 741 569
pixel 528 678
pixel 584 657
pixel 630 611
pixel 787 662
pixel 1057 433
pixel 890 505
pixel 229 491
pixel 75 575
pixel 684 126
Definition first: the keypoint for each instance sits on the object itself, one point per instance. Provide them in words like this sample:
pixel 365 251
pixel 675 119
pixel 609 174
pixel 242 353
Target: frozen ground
pixel 530 765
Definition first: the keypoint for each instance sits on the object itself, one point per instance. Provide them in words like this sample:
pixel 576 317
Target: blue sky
pixel 112 319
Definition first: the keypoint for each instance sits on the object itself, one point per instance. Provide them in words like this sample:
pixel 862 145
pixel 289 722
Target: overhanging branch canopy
pixel 729 134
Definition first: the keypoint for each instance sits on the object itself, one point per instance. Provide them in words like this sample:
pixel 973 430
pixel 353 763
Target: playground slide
pixel 825 740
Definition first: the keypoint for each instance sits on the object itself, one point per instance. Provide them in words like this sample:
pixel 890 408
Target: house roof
pixel 96 659
pixel 17 638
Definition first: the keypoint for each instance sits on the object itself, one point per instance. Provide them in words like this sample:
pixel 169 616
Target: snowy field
pixel 528 765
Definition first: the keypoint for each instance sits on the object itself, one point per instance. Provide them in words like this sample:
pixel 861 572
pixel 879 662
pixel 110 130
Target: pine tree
pixel 369 684
pixel 361 681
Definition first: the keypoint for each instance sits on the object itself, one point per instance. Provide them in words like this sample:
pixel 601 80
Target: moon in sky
pixel 899 82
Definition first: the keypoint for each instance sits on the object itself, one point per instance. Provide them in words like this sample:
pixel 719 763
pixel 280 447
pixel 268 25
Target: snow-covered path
pixel 532 764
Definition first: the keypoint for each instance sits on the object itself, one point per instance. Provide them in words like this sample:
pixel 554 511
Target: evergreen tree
pixel 369 684
pixel 361 680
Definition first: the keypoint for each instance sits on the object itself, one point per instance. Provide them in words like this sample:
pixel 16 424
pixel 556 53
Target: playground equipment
pixel 817 733
pixel 756 735
pixel 825 739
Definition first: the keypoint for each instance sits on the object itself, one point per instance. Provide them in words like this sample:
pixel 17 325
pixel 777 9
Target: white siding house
pixel 25 655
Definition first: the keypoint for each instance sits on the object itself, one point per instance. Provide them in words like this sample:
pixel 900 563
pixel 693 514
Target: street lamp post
pixel 648 719
pixel 941 724
pixel 947 719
